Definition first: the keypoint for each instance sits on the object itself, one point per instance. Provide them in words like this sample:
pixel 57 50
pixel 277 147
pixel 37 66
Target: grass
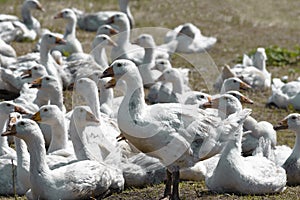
pixel 240 28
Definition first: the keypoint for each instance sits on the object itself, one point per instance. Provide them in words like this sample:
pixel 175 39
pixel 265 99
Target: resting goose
pixel 29 27
pixel 65 182
pixel 72 43
pixel 178 141
pixel 244 175
pixel 291 166
pixel 190 39
pixel 91 21
pixel 285 94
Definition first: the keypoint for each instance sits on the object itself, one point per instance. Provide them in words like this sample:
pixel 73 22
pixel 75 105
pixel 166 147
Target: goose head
pixel 260 58
pixel 66 14
pixel 107 30
pixel 198 98
pixel 7 107
pixel 145 41
pixel 292 122
pixel 46 82
pixel 32 4
pixel 119 20
pixel 84 87
pixel 49 40
pixel 103 40
pixel 47 114
pixel 225 103
pixel 84 116
pixel 188 30
pixel 162 64
pixel 122 69
pixel 234 83
pixel 34 72
pixel 170 75
pixel 240 96
pixel 24 129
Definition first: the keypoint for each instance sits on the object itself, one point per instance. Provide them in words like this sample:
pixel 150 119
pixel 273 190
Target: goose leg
pixel 168 184
pixel 175 179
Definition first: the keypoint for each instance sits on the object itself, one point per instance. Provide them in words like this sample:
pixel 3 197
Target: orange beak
pixel 283 124
pixel 37 83
pixel 111 83
pixel 58 15
pixel 109 72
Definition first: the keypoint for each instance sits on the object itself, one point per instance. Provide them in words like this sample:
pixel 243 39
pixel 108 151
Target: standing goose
pixel 291 165
pixel 179 140
pixel 72 43
pixel 67 182
pixel 243 175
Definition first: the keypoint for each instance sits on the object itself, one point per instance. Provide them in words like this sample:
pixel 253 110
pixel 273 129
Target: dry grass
pixel 239 26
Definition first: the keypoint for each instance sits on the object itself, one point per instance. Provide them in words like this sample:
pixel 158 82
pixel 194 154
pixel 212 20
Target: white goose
pixel 106 30
pixel 29 26
pixel 291 166
pixel 244 175
pixel 91 21
pixel 234 83
pixel 53 184
pixel 72 43
pixel 125 49
pixel 285 94
pixel 190 39
pixel 98 45
pixel 53 116
pixel 178 126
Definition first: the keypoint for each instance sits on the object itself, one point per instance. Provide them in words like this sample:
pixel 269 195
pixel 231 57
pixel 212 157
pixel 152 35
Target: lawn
pixel 240 27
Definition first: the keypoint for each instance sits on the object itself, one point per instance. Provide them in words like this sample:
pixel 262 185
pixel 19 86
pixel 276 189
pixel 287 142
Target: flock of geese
pixel 158 129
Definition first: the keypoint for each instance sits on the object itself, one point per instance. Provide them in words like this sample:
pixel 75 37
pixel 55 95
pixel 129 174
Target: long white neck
pixel 3 140
pixel 124 7
pixel 56 98
pixel 59 137
pixel 124 35
pixel 260 63
pixel 81 152
pixel 178 85
pixel 38 164
pixel 149 55
pixel 106 96
pixel 133 103
pixel 70 28
pixel 233 147
pixel 47 60
pixel 23 164
pixel 296 148
pixel 93 101
pixel 100 56
pixel 26 16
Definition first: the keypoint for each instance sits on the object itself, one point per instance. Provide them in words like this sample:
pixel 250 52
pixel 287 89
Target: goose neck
pixel 296 148
pixel 59 136
pixel 3 140
pixel 234 144
pixel 70 28
pixel 149 55
pixel 26 16
pixel 22 152
pixel 124 35
pixel 36 147
pixel 106 96
pixel 93 102
pixel 178 86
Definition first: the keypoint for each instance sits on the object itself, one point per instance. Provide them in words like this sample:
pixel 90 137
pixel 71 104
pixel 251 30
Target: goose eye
pixel 18 117
pixel 104 38
pixel 22 123
pixel 81 110
pixel 105 27
pixel 8 105
pixel 47 78
pixel 234 81
pixel 119 65
pixel 45 110
pixel 202 96
pixel 50 36
pixel 162 62
pixel 294 117
pixel 35 68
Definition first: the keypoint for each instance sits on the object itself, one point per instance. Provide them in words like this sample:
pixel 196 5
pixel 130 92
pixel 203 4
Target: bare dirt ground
pixel 240 27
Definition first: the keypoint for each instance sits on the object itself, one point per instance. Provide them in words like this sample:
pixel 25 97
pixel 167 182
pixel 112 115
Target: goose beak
pixel 211 103
pixel 111 83
pixel 26 74
pixel 283 124
pixel 110 20
pixel 12 121
pixel 90 117
pixel 109 72
pixel 58 15
pixel 37 117
pixel 60 41
pixel 113 31
pixel 37 83
pixel 244 99
pixel 11 131
pixel 160 78
pixel 245 86
pixel 40 7
pixel 20 110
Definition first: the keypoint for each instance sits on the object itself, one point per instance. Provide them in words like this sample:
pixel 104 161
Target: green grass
pixel 239 26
